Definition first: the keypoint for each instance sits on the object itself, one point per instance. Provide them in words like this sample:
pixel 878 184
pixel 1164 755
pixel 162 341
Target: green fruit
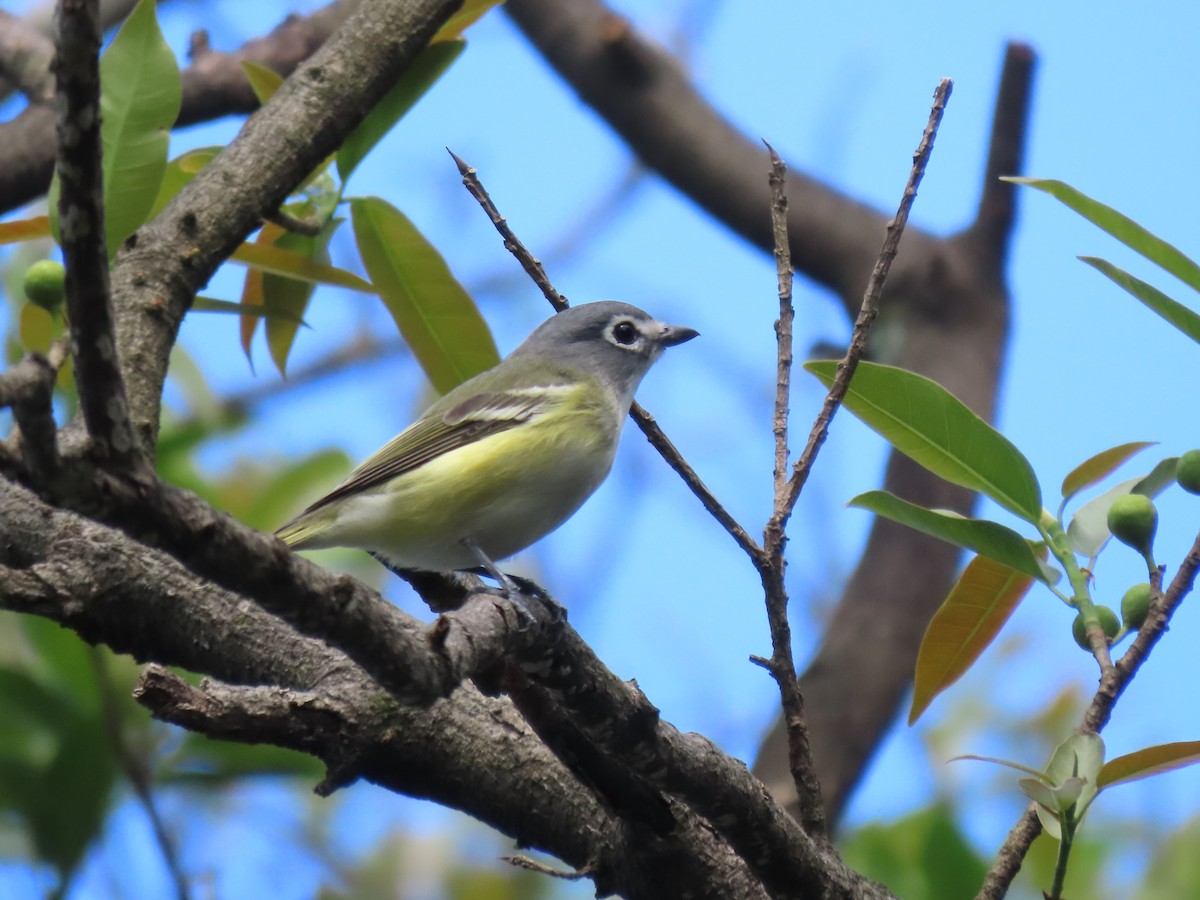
pixel 45 284
pixel 1108 624
pixel 1135 605
pixel 1132 519
pixel 1187 471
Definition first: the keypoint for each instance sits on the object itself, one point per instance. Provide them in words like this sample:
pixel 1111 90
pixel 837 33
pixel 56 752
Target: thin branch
pixel 667 450
pixel 1113 683
pixel 870 304
pixel 654 434
pixel 783 327
pixel 81 220
pixel 781 665
pixel 530 263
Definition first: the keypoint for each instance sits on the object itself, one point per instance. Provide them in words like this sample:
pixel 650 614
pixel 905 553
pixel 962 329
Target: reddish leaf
pixel 25 229
pixel 1147 762
pixel 1099 466
pixel 972 615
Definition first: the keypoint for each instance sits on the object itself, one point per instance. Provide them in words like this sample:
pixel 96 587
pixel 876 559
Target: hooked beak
pixel 676 334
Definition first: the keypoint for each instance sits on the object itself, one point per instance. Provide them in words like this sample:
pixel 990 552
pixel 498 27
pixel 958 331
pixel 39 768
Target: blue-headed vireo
pixel 504 458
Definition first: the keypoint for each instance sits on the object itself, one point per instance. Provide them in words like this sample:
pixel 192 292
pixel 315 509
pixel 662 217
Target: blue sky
pixel 656 587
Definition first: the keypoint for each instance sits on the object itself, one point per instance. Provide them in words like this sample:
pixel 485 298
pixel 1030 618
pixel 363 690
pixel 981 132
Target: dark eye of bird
pixel 625 333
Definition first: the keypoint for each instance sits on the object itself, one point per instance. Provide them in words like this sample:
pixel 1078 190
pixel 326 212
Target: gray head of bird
pixel 616 342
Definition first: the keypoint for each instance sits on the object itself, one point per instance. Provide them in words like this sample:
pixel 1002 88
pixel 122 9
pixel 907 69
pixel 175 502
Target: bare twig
pixel 532 865
pixel 654 434
pixel 781 665
pixel 530 263
pixel 81 218
pixel 783 328
pixel 870 303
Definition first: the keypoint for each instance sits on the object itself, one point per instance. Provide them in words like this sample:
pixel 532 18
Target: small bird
pixel 504 458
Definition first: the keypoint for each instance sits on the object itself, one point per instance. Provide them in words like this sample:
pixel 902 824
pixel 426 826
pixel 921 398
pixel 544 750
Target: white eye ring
pixel 624 333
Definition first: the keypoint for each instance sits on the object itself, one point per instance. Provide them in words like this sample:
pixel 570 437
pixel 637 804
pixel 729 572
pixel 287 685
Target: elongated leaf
pixel 1183 318
pixel 471 11
pixel 178 173
pixel 1099 467
pixel 287 297
pixel 435 315
pixel 986 538
pixel 276 260
pixel 930 425
pixel 1088 530
pixel 24 229
pixel 1149 761
pixel 1123 228
pixel 263 81
pixel 140 95
pixel 972 615
pixel 212 304
pixel 425 70
pixel 252 291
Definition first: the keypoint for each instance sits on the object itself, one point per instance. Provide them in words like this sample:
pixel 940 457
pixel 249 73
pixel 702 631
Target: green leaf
pixel 1149 761
pixel 178 173
pixel 1124 229
pixel 1088 530
pixel 140 95
pixel 24 229
pixel 965 624
pixel 263 81
pixel 212 304
pixel 986 538
pixel 930 425
pixel 1078 758
pixel 1183 318
pixel 286 298
pixel 279 260
pixel 437 318
pixel 425 70
pixel 1099 467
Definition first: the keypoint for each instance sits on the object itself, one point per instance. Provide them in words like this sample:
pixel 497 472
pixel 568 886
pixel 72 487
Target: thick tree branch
pixel 466 751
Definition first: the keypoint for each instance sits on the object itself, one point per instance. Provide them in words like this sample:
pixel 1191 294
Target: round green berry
pixel 1187 471
pixel 45 284
pixel 1132 519
pixel 1135 605
pixel 1108 624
